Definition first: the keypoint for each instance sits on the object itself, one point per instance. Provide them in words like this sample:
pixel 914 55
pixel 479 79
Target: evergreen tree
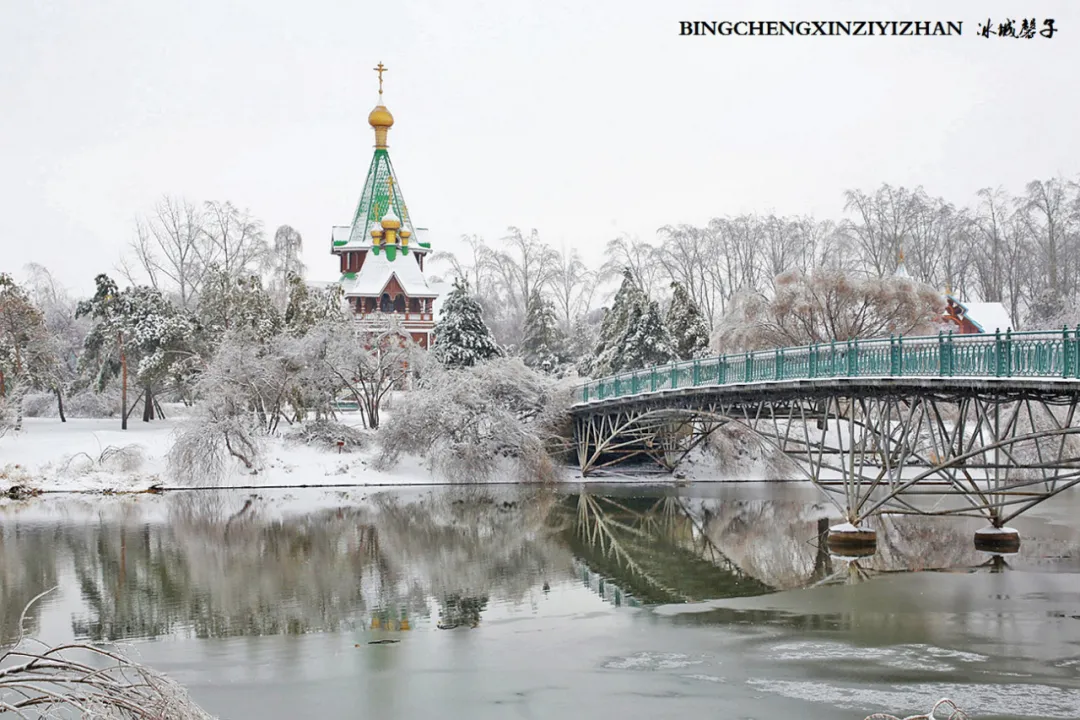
pixel 28 355
pixel 632 335
pixel 306 307
pixel 687 326
pixel 137 327
pixel 236 303
pixel 544 344
pixel 461 337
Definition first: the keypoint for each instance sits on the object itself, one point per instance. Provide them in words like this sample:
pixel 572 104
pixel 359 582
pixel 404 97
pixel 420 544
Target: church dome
pixel 380 117
pixel 390 221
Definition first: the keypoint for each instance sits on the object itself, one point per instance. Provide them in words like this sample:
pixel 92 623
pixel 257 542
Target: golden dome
pixel 380 117
pixel 390 222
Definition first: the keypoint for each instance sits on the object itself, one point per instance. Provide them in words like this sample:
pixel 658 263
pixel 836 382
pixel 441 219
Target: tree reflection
pixel 28 567
pixel 214 564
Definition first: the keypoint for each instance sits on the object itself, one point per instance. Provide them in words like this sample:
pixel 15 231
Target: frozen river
pixel 709 601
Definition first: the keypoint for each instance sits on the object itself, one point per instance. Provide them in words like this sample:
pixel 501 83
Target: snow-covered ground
pixel 81 455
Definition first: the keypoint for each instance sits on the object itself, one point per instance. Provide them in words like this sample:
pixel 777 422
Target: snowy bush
pixel 466 421
pixel 112 459
pixel 327 433
pixel 40 405
pixel 242 392
pixel 87 403
pixel 206 441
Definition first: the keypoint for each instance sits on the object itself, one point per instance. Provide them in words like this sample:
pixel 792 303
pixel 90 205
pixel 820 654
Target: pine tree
pixel 306 307
pixel 544 344
pixel 138 328
pixel 647 341
pixel 632 335
pixel 236 303
pixel 687 326
pixel 461 337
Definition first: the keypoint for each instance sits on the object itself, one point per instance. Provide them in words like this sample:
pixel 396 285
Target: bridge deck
pixel 1010 361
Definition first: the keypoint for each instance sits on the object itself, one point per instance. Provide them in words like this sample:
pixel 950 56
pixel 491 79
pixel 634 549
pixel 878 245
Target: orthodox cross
pixel 380 68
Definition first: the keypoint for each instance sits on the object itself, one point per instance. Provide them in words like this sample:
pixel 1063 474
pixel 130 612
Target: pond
pixel 507 601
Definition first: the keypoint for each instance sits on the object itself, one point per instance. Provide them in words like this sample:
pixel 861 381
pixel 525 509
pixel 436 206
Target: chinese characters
pixel 1026 28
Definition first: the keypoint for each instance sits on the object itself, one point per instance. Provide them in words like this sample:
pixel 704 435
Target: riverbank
pixel 95 455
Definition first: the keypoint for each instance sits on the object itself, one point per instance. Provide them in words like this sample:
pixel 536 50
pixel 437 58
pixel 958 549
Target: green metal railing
pixel 1032 354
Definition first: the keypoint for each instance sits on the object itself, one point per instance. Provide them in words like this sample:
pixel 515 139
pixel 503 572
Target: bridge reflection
pixel 195 566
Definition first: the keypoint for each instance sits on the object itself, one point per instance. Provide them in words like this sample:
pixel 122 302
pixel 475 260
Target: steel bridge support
pixel 968 452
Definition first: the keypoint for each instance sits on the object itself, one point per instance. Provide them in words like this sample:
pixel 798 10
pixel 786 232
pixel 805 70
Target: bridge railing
pixel 1036 354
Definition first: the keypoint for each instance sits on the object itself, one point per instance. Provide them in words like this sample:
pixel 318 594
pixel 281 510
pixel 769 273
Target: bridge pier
pixel 847 540
pixel 999 540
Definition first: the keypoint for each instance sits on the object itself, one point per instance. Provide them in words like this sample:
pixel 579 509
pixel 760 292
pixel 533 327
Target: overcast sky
pixel 582 119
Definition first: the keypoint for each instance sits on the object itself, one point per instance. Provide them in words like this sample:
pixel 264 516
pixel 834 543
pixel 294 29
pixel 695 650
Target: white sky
pixel 581 119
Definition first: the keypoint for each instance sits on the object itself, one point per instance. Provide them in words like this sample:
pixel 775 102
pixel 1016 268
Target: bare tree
pixel 884 223
pixel 573 287
pixel 639 256
pixel 829 306
pixel 1050 215
pixel 235 241
pixel 371 363
pixel 524 265
pixel 170 249
pixel 989 265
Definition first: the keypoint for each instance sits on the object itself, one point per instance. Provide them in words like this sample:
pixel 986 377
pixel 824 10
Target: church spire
pixel 380 118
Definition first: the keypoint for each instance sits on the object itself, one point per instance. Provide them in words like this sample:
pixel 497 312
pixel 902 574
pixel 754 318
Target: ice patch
pixel 651 661
pixel 976 700
pixel 706 678
pixel 899 657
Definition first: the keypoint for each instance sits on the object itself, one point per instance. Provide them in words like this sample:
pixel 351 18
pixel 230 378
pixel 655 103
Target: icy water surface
pixel 711 601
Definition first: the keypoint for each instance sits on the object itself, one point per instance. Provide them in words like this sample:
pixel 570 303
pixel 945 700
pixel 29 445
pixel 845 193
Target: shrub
pixel 327 433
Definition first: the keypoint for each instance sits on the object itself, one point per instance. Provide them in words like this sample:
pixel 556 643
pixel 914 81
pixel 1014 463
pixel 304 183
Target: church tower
pixel 381 253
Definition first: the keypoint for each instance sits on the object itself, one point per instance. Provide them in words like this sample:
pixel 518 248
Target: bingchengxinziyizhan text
pixel 1008 28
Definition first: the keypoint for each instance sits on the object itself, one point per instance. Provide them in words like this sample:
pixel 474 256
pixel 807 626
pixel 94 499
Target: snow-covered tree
pixel 464 421
pixel 370 363
pixel 632 335
pixel 543 344
pixel 828 306
pixel 230 302
pixel 686 324
pixel 239 392
pixel 461 337
pixel 135 330
pixel 27 352
pixel 307 307
pixel 287 248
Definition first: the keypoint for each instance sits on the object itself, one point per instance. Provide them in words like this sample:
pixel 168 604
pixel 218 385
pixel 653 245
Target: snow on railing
pixel 1035 354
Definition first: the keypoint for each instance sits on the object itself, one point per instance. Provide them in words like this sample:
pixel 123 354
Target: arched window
pixel 399 304
pixel 386 305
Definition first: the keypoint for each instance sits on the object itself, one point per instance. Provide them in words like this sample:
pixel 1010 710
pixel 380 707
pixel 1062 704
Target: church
pixel 381 253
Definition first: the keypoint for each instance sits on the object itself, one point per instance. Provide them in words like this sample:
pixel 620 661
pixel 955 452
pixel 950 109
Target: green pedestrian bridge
pixel 987 422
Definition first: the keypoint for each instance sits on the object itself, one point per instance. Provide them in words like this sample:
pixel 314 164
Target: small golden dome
pixel 380 117
pixel 390 223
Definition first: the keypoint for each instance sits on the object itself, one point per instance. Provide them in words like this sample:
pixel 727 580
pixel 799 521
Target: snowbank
pixel 95 455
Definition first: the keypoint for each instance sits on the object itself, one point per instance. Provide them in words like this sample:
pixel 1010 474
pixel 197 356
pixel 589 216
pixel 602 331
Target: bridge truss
pixel 980 447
